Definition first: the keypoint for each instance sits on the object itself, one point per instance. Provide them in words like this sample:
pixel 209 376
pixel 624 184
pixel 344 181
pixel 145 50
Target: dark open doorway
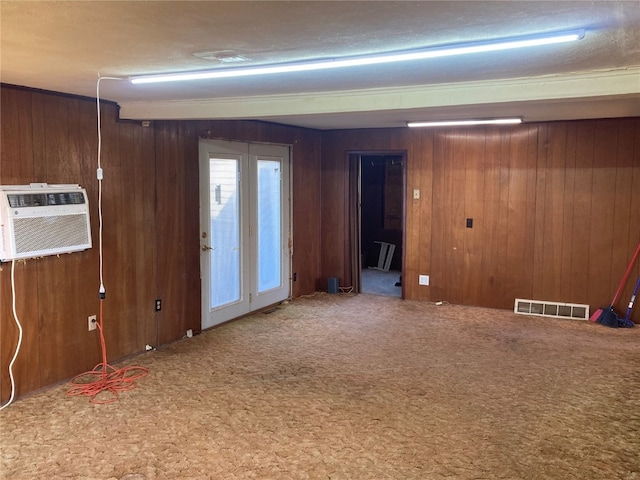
pixel 380 238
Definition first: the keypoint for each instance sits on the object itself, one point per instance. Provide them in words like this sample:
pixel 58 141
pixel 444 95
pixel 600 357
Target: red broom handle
pixel 626 275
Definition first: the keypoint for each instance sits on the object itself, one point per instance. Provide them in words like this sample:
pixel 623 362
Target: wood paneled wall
pixel 151 230
pixel 52 139
pixel 555 209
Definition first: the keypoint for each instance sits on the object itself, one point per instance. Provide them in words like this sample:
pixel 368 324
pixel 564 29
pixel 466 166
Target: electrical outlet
pixel 92 321
pixel 158 305
pixel 295 277
pixel 423 279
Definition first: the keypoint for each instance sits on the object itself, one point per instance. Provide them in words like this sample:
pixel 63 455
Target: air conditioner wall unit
pixel 37 220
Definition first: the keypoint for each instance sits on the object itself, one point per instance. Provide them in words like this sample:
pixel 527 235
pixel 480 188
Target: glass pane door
pixel 224 208
pixel 245 228
pixel 269 225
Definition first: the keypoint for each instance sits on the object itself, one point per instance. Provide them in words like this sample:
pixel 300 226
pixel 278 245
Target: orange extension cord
pixel 105 378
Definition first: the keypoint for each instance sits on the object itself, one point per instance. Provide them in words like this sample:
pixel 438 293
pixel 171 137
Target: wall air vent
pixel 39 219
pixel 576 311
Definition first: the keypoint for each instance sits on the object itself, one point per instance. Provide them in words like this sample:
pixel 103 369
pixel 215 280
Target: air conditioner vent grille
pixel 35 234
pixel 576 311
pixel 38 220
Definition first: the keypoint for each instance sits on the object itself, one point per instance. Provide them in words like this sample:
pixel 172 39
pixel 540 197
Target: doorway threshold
pixel 379 282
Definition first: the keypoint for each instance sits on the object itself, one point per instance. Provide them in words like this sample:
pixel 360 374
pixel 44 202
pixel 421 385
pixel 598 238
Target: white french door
pixel 245 228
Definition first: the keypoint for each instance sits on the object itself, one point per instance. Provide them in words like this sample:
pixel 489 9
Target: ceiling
pixel 65 45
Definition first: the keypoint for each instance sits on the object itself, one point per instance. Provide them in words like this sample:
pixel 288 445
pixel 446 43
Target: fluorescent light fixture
pixel 457 123
pixel 403 56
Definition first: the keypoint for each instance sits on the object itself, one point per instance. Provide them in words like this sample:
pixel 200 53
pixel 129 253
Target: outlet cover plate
pixel 423 280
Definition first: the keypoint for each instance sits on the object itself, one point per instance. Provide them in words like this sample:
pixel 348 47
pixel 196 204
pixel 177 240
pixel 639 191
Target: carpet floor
pixel 353 387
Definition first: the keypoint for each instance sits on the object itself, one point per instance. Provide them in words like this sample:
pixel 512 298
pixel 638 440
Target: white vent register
pixel 40 219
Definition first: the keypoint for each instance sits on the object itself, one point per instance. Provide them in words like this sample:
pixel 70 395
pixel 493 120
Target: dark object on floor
pixel 625 323
pixel 603 315
pixel 608 317
pixel 332 286
pixel 399 282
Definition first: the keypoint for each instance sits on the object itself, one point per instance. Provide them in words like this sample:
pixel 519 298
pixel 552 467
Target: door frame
pixel 286 216
pixel 354 162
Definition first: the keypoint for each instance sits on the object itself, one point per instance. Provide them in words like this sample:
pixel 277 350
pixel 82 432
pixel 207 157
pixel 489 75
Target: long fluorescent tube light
pixel 420 54
pixel 457 123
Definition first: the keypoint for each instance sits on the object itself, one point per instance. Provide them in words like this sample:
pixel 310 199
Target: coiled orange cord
pixel 104 377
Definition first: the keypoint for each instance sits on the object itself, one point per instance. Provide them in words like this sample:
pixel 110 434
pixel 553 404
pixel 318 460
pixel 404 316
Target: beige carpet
pixel 354 387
